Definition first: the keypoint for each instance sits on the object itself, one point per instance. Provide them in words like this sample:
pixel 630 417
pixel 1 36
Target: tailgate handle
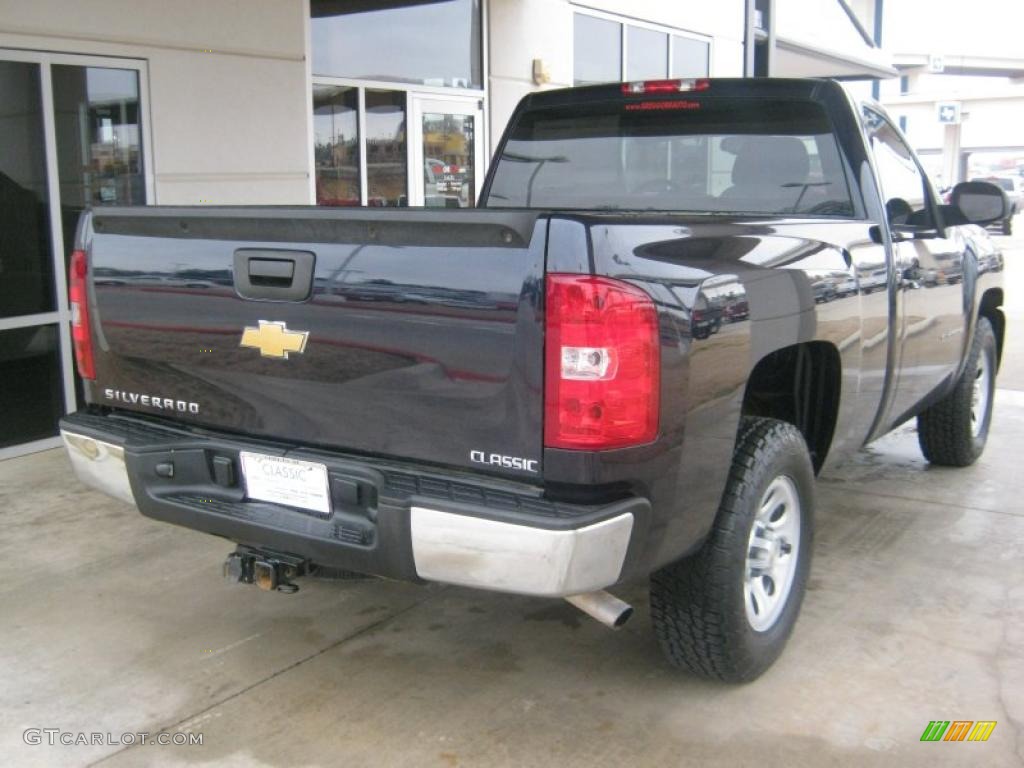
pixel 278 272
pixel 274 275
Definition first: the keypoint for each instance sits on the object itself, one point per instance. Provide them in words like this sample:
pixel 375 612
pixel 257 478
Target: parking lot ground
pixel 115 624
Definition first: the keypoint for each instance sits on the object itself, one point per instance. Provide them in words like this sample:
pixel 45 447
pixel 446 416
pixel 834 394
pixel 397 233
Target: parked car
pixel 735 310
pixel 579 424
pixel 824 290
pixel 705 317
pixel 874 280
pixel 845 286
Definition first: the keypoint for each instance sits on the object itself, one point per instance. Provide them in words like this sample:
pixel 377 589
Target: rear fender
pixel 729 293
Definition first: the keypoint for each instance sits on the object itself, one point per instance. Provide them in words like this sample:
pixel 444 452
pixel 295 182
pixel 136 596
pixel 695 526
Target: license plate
pixel 286 481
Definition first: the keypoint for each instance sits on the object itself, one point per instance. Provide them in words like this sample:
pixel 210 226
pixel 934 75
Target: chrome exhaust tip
pixel 604 607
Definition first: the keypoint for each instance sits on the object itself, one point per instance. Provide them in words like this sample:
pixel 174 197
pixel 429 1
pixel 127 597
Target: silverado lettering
pixel 671 312
pixel 154 401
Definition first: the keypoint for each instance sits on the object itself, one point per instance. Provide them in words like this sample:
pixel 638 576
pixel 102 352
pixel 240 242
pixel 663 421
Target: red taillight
pixel 642 87
pixel 602 364
pixel 80 334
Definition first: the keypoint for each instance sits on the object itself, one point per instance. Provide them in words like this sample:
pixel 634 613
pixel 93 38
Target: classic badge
pixel 273 339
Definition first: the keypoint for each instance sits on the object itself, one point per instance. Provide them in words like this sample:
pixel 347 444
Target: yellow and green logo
pixel 958 730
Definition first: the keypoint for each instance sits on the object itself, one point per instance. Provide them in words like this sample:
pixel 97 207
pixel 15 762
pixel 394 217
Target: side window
pixel 904 187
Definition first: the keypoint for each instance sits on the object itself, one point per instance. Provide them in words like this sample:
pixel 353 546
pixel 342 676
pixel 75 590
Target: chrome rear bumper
pixel 99 464
pixel 499 556
pixel 454 546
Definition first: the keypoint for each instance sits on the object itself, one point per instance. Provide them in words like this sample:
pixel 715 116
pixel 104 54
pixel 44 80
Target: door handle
pixel 274 275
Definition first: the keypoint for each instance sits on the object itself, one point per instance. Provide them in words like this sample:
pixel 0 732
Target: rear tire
pixel 727 611
pixel 953 432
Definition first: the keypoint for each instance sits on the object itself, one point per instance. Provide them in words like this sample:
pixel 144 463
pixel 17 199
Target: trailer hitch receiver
pixel 270 571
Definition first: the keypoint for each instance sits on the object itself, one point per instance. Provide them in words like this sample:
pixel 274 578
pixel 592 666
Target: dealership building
pixel 328 102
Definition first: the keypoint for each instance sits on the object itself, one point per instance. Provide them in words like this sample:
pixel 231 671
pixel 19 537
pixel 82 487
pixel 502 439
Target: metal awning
pixel 988 66
pixel 824 38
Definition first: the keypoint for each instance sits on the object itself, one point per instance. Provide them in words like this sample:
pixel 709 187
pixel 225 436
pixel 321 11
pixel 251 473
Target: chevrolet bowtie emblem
pixel 273 339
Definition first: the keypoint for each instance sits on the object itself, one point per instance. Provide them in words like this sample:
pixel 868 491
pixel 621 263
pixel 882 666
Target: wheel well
pixel 991 301
pixel 800 385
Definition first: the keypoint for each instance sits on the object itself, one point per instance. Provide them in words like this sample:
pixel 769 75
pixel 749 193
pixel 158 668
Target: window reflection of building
pixel 435 43
pixel 386 148
pixel 336 147
pixel 97 123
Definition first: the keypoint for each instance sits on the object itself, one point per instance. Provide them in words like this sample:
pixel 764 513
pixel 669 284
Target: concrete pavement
pixel 114 623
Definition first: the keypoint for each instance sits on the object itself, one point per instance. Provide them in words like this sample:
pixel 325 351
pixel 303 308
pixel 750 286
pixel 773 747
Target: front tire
pixel 953 432
pixel 727 611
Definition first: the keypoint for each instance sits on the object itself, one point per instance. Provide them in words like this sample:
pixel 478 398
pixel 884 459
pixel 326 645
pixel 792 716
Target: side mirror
pixel 980 202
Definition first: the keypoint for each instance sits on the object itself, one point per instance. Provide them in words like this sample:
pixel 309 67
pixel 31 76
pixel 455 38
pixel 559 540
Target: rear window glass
pixel 712 155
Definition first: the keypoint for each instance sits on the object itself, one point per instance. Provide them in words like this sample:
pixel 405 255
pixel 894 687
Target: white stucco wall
pixel 524 30
pixel 229 99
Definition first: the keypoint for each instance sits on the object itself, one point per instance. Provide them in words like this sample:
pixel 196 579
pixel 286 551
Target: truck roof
pixel 727 87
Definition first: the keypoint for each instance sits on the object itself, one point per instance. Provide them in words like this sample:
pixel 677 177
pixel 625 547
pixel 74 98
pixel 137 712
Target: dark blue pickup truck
pixel 676 303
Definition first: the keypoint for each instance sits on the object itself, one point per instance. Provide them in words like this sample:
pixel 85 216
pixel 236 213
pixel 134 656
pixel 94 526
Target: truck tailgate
pixel 410 334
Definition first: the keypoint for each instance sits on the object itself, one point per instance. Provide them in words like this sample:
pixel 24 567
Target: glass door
pixel 70 137
pixel 446 157
pixel 31 368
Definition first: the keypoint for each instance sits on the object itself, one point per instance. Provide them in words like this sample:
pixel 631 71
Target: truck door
pixel 929 270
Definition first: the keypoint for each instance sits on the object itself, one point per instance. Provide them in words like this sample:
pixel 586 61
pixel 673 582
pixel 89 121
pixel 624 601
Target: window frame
pixel 931 199
pixel 624 23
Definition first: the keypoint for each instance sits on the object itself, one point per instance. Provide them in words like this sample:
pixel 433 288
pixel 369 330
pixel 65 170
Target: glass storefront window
pixel 336 144
pixel 26 261
pixel 646 53
pixel 433 43
pixel 598 55
pixel 386 149
pixel 689 57
pixel 597 50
